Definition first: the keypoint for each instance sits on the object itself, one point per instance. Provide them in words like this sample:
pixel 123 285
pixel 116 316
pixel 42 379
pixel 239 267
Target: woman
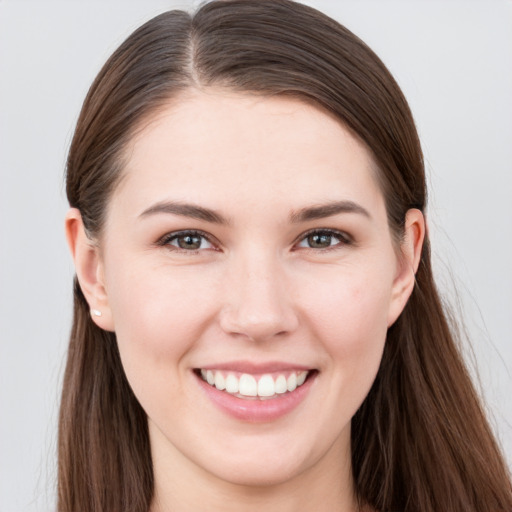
pixel 256 322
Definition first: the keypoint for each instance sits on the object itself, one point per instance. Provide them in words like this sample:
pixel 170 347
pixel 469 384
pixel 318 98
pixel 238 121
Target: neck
pixel 182 486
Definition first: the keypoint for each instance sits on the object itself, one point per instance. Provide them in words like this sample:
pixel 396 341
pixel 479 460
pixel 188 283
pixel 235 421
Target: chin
pixel 257 474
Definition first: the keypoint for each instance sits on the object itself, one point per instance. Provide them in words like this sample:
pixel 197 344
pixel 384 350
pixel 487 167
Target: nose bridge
pixel 258 301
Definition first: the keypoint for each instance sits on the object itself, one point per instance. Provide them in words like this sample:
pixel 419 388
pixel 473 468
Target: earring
pixel 95 312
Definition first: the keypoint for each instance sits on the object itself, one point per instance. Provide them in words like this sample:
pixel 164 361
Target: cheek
pixel 349 316
pixel 158 315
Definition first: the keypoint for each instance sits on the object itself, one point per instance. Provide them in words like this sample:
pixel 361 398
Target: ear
pixel 89 270
pixel 408 262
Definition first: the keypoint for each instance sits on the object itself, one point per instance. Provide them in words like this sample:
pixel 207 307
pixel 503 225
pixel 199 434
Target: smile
pixel 248 386
pixel 256 393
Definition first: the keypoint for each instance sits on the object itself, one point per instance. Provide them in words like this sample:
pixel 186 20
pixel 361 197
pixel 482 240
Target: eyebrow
pixel 185 210
pixel 327 210
pixel 303 215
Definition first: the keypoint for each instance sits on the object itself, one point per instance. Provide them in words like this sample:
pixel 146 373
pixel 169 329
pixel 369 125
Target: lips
pixel 256 393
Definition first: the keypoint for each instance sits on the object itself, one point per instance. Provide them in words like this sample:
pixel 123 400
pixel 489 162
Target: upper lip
pixel 256 368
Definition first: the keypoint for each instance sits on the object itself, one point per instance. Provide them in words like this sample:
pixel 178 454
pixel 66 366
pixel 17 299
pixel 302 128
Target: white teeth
pixel 281 385
pixel 266 386
pixel 291 383
pixel 247 385
pixel 301 378
pixel 231 384
pixel 219 381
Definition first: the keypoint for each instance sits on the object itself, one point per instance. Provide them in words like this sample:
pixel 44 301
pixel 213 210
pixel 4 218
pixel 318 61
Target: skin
pixel 254 292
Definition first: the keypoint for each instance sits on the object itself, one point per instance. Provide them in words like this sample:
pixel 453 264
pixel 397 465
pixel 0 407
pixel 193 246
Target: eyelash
pixel 166 240
pixel 344 240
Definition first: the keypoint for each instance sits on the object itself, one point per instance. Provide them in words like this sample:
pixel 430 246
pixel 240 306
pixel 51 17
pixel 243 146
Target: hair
pixel 420 440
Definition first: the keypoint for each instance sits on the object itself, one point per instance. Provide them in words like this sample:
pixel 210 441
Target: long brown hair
pixel 420 441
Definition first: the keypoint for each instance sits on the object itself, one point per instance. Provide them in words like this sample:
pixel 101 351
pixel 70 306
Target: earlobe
pixel 411 247
pixel 89 269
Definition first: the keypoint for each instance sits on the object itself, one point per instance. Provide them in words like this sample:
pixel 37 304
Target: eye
pixel 187 241
pixel 324 239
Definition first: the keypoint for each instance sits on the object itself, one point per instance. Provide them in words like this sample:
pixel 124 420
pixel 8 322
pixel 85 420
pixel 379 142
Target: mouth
pixel 256 392
pixel 248 386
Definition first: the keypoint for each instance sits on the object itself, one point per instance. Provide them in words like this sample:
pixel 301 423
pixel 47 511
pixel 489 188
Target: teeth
pixel 301 378
pixel 219 381
pixel 281 384
pixel 266 386
pixel 291 383
pixel 247 385
pixel 232 384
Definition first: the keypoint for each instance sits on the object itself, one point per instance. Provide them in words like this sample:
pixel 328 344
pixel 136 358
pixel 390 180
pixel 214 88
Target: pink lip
pixel 256 368
pixel 255 410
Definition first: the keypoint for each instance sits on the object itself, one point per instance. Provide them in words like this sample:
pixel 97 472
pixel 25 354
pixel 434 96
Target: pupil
pixel 189 242
pixel 319 241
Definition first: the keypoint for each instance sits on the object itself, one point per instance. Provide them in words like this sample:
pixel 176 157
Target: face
pixel 247 247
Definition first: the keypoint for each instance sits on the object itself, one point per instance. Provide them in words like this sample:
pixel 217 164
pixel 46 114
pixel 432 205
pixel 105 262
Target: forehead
pixel 226 147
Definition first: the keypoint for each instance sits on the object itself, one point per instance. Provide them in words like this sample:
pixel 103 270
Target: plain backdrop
pixel 453 59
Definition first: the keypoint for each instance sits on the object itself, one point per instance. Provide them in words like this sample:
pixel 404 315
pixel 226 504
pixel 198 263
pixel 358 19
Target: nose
pixel 259 303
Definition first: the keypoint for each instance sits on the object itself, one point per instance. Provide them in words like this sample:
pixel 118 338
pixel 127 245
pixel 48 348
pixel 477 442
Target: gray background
pixel 453 59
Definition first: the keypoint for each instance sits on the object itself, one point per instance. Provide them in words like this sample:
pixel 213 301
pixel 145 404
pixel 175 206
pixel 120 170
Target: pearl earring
pixel 95 312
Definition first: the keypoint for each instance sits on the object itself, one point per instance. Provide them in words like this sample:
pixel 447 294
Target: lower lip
pixel 254 410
